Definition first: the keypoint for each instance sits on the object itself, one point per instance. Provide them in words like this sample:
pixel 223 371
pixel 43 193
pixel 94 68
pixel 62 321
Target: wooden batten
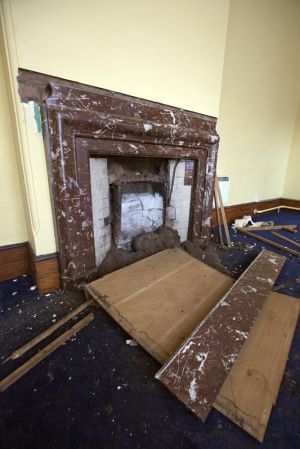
pixel 43 353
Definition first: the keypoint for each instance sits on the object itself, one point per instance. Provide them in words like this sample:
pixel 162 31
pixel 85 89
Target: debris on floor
pixel 160 300
pixel 206 251
pixel 47 350
pixel 131 342
pixel 247 220
pixel 144 245
pixel 162 238
pixel 23 349
pixel 172 311
pixel 269 242
pixel 287 285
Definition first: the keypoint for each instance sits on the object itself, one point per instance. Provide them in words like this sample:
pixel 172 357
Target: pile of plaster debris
pixel 163 237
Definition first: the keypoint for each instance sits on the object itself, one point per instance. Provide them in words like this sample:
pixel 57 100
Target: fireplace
pixel 119 166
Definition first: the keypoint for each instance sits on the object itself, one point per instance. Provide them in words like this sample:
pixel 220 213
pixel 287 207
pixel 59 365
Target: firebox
pixel 132 196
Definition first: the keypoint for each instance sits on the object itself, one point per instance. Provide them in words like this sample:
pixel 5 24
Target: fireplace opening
pixel 138 207
pixel 133 196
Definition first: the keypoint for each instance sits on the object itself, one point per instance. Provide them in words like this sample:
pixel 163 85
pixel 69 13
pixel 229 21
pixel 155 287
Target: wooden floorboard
pixel 251 388
pixel 161 299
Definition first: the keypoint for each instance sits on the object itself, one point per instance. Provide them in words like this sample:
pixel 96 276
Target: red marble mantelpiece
pixel 81 121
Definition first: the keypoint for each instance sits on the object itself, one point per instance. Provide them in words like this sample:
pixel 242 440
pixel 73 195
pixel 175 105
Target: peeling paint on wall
pixel 33 116
pixel 37 117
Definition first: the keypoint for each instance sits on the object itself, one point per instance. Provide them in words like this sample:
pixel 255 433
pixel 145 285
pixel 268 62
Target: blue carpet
pixel 247 248
pixel 96 392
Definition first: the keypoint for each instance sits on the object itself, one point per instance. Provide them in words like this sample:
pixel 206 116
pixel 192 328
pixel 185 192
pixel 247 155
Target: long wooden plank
pixel 138 317
pixel 286 239
pixel 196 372
pixel 217 206
pixel 161 299
pixel 46 333
pixel 269 242
pixel 289 228
pixel 220 202
pixel 43 353
pixel 252 385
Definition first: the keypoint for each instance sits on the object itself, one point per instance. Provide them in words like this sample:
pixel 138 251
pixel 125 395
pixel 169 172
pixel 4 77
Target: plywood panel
pixel 161 299
pixel 197 371
pixel 252 385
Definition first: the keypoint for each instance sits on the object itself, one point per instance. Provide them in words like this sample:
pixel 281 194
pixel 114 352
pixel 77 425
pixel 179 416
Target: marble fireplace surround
pixel 80 121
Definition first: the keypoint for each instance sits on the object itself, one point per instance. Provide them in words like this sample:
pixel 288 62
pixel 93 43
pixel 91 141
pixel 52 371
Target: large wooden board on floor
pixel 161 299
pixel 198 369
pixel 265 351
pixel 252 385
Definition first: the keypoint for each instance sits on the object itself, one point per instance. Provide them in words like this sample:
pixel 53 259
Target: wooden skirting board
pixel 238 210
pixel 290 202
pixel 14 261
pixel 160 319
pixel 45 270
pixel 20 259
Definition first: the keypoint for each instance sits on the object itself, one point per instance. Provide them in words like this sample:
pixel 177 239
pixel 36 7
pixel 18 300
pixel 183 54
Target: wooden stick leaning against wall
pixel 220 202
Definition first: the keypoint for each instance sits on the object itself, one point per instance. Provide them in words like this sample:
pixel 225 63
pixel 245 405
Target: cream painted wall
pixel 12 223
pixel 260 94
pixel 29 149
pixel 292 178
pixel 166 50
